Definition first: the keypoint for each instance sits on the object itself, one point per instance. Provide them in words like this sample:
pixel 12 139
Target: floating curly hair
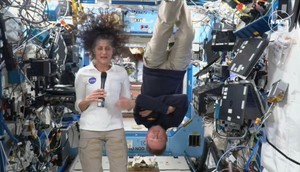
pixel 104 26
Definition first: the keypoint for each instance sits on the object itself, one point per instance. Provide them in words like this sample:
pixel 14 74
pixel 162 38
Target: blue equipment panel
pixel 136 142
pixel 202 33
pixel 15 76
pixel 40 37
pixel 140 21
pixel 88 1
pixel 53 10
pixel 187 140
pixel 259 26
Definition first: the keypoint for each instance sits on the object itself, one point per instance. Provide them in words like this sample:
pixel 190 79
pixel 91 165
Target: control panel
pixel 140 21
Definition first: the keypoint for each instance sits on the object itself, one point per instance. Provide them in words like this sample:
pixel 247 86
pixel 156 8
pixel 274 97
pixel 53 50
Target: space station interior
pixel 242 85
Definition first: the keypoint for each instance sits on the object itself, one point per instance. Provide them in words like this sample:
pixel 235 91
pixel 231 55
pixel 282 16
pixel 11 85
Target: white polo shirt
pixel 117 85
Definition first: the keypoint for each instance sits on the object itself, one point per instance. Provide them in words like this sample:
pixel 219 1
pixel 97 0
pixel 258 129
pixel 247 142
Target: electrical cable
pixel 227 151
pixel 19 158
pixel 283 154
pixel 7 7
pixel 67 9
pixel 266 115
pixel 2 153
pixel 26 11
pixel 255 149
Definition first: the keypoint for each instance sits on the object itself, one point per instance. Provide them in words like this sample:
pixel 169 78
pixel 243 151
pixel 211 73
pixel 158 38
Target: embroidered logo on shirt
pixel 150 119
pixel 92 80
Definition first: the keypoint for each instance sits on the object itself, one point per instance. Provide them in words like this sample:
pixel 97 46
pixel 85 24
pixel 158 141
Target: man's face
pixel 156 138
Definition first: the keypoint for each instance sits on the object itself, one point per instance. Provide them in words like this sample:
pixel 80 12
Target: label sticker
pixel 92 80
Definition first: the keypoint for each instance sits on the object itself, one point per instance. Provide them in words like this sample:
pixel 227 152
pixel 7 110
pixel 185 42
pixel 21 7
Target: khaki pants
pixel 180 55
pixel 91 145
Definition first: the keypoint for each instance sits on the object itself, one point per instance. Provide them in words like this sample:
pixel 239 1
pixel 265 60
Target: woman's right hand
pixel 96 95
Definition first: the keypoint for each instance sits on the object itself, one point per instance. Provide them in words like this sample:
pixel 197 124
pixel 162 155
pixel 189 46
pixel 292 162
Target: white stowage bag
pixel 283 126
pixel 13 26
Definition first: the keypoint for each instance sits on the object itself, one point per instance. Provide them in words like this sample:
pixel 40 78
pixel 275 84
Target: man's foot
pixel 184 18
pixel 169 10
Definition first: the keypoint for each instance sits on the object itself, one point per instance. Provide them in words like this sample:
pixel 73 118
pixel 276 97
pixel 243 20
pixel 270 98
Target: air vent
pixel 194 140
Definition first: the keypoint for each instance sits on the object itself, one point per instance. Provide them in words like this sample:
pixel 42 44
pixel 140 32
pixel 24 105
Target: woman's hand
pixel 96 95
pixel 125 103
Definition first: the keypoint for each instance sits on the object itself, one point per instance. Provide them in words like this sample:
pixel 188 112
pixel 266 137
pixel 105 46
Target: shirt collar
pixel 92 67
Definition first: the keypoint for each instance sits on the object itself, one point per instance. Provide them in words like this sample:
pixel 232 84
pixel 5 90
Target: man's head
pixel 156 140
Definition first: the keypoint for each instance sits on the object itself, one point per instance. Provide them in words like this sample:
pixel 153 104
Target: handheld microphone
pixel 103 79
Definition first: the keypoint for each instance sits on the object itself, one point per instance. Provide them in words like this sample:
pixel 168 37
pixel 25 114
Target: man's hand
pixel 145 113
pixel 171 109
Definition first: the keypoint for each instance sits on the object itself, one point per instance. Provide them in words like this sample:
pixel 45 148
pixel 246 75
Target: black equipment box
pixel 223 40
pixel 40 67
pixel 201 93
pixel 211 58
pixel 247 56
pixel 240 102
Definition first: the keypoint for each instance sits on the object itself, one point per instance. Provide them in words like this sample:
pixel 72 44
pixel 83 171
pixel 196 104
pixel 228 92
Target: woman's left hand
pixel 125 103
